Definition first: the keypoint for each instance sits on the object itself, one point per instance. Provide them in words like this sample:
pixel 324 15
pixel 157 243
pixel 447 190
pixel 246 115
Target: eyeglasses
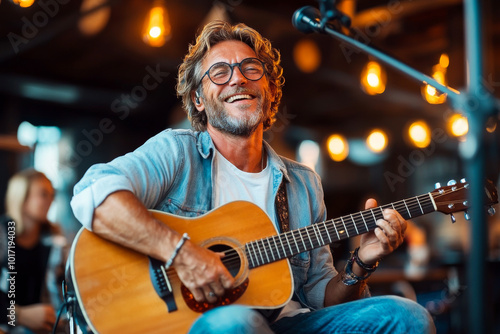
pixel 221 73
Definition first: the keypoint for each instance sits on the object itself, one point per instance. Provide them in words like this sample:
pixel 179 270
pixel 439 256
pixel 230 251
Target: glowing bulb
pixel 94 22
pixel 373 78
pixel 306 55
pixel 377 141
pixel 23 3
pixel 431 90
pixel 157 30
pixel 419 134
pixel 431 94
pixel 444 60
pixel 338 148
pixel 458 125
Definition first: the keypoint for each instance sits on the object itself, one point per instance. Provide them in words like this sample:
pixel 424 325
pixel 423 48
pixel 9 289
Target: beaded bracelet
pixel 363 265
pixel 181 242
pixel 349 277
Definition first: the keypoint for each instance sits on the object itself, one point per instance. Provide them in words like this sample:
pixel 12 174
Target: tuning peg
pixel 437 185
pixel 491 211
pixel 451 182
pixel 453 220
pixel 463 180
pixel 466 215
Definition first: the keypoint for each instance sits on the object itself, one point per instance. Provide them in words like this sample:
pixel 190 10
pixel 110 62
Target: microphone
pixel 307 20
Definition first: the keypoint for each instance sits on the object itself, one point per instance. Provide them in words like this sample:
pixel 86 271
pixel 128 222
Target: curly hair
pixel 216 32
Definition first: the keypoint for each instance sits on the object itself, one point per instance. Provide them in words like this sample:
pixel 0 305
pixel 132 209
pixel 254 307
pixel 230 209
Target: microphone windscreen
pixel 306 19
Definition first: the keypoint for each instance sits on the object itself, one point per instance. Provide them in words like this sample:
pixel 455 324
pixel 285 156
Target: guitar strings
pixel 263 253
pixel 323 232
pixel 420 204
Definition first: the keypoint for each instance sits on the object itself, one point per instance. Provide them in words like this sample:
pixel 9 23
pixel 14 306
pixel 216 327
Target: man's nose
pixel 238 78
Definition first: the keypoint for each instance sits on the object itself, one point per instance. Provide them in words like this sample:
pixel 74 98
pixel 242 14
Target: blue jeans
pixel 387 314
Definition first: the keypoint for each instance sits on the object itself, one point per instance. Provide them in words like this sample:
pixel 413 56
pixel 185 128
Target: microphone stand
pixel 475 102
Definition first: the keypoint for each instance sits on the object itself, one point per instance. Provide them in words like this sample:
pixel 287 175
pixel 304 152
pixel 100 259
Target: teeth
pixel 238 97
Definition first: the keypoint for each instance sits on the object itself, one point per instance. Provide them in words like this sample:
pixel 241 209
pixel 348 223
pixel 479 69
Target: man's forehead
pixel 228 51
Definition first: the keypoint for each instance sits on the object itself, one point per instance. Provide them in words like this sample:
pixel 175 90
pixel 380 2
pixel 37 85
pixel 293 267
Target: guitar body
pixel 113 284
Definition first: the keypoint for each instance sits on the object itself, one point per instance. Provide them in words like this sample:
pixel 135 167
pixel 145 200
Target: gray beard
pixel 221 120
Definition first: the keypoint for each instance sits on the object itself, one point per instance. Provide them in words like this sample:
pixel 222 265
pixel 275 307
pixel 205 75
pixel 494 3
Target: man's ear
pixel 197 100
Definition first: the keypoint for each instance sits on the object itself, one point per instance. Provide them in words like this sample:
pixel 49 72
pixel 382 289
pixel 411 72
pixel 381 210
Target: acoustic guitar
pixel 118 290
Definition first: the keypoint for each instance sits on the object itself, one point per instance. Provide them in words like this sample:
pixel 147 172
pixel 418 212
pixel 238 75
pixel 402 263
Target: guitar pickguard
pixel 229 298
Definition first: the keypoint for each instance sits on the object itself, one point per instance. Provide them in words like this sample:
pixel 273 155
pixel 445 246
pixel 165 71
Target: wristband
pixel 176 250
pixel 349 277
pixel 363 265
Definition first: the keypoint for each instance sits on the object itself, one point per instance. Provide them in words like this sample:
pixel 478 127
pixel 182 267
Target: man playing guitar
pixel 231 85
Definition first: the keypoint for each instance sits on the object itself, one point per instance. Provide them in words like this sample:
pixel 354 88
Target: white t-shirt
pixel 231 184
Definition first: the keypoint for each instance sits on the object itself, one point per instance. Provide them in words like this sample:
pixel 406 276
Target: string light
pixel 338 148
pixel 377 141
pixel 23 3
pixel 419 134
pixel 458 125
pixel 373 78
pixel 94 22
pixel 430 94
pixel 306 55
pixel 157 27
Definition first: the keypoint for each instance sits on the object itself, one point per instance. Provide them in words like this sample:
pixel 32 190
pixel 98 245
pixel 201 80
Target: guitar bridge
pixel 161 283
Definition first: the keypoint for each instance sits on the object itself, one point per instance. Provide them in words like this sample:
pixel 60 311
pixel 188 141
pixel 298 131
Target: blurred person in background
pixel 38 261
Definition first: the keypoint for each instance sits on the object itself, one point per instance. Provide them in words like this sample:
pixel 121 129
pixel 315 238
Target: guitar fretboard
pixel 288 244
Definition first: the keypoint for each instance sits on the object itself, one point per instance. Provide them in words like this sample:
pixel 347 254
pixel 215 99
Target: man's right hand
pixel 202 272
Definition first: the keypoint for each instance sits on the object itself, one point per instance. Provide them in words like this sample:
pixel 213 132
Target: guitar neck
pixel 288 244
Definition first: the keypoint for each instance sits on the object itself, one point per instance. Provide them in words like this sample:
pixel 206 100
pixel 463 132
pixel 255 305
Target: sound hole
pixel 231 261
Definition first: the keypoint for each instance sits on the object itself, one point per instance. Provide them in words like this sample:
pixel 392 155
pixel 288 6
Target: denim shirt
pixel 172 172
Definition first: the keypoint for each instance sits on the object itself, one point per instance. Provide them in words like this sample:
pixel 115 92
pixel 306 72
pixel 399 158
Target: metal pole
pixel 452 94
pixel 477 106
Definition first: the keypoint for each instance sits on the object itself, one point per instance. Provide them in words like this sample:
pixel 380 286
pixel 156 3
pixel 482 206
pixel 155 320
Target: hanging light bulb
pixel 157 28
pixel 338 147
pixel 93 23
pixel 306 55
pixel 458 125
pixel 419 134
pixel 430 94
pixel 377 141
pixel 23 3
pixel 373 78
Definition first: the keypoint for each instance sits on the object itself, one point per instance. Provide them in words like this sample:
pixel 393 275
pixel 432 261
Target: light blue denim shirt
pixel 172 172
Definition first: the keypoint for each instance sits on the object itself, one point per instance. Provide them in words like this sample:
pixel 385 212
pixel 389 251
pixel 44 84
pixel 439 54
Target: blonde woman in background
pixel 36 259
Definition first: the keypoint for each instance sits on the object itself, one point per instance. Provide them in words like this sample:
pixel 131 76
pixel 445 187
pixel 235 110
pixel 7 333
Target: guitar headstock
pixel 454 196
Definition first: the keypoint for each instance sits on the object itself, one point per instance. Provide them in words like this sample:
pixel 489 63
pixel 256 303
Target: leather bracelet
pixel 363 265
pixel 181 242
pixel 349 277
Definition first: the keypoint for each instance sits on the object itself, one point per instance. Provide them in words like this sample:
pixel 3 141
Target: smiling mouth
pixel 239 97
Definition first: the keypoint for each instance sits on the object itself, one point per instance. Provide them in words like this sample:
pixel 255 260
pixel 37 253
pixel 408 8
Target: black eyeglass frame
pixel 232 66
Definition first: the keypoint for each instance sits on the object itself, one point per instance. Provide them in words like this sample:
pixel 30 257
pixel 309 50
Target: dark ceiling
pixel 50 73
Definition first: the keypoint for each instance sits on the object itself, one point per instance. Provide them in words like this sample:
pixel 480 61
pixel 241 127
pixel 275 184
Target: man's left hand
pixel 388 235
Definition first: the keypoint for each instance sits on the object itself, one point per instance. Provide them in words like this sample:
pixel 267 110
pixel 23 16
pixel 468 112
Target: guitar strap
pixel 282 207
pixel 281 203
